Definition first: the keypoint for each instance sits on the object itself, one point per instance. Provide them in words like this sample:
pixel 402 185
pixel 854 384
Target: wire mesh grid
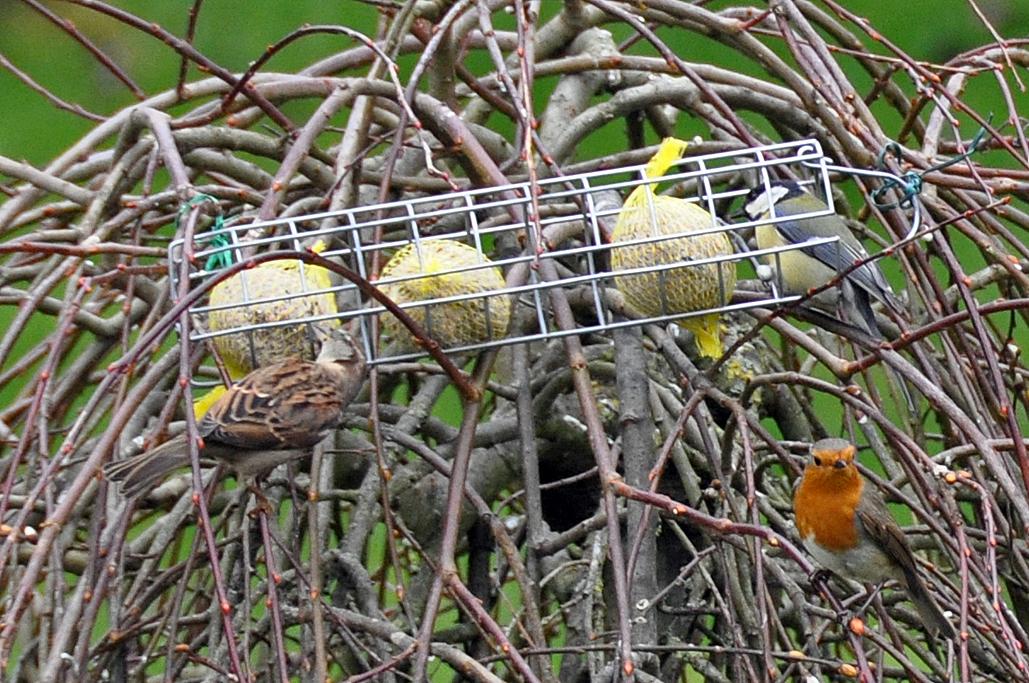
pixel 567 219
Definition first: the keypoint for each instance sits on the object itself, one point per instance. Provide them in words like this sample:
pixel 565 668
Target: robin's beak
pixel 840 464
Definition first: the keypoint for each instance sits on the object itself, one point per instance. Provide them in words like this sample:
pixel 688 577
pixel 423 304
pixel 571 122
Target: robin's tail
pixel 935 622
pixel 141 473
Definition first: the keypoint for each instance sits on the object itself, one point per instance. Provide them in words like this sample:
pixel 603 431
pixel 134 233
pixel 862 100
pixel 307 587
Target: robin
pixel 848 529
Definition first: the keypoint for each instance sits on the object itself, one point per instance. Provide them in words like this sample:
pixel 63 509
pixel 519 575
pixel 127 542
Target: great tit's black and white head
pixel 761 199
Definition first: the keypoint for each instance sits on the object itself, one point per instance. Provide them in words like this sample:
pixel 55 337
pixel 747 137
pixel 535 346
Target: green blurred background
pixel 235 33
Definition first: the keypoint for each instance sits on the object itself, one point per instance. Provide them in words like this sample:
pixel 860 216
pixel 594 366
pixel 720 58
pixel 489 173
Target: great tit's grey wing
pixel 287 405
pixel 839 255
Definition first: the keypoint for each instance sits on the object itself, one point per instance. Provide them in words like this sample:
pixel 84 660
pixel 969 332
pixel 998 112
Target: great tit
pixel 815 265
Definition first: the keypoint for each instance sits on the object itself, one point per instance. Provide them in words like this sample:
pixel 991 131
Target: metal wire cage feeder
pixel 564 218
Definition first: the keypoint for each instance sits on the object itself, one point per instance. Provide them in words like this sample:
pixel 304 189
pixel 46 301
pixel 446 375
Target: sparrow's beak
pixel 317 334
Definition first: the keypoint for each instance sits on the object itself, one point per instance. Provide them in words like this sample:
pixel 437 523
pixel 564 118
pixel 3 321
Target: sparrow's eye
pixel 818 461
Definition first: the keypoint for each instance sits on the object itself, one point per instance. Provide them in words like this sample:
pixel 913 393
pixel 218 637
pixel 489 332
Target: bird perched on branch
pixel 275 414
pixel 440 268
pixel 687 287
pixel 848 529
pixel 799 270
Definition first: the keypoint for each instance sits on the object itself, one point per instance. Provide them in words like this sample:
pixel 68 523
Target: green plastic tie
pixel 219 240
pixel 216 237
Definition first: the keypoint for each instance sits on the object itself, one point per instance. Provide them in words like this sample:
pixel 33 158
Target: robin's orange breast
pixel 824 504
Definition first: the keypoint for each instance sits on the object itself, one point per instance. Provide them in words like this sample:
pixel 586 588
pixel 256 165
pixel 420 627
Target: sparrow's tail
pixel 934 620
pixel 142 473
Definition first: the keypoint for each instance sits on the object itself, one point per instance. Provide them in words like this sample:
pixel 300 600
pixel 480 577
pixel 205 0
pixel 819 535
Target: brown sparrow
pixel 275 414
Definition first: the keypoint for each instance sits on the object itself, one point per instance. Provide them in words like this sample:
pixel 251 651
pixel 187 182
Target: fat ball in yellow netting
pixel 673 291
pixel 455 323
pixel 242 352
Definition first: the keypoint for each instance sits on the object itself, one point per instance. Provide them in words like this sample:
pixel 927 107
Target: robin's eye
pixel 818 461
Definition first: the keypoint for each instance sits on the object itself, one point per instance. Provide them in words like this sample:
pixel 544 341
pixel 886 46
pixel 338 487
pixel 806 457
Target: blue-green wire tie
pixel 219 259
pixel 218 239
pixel 911 182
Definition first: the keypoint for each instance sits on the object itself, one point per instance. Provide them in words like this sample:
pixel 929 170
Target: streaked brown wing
pixel 876 520
pixel 285 405
pixel 304 416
